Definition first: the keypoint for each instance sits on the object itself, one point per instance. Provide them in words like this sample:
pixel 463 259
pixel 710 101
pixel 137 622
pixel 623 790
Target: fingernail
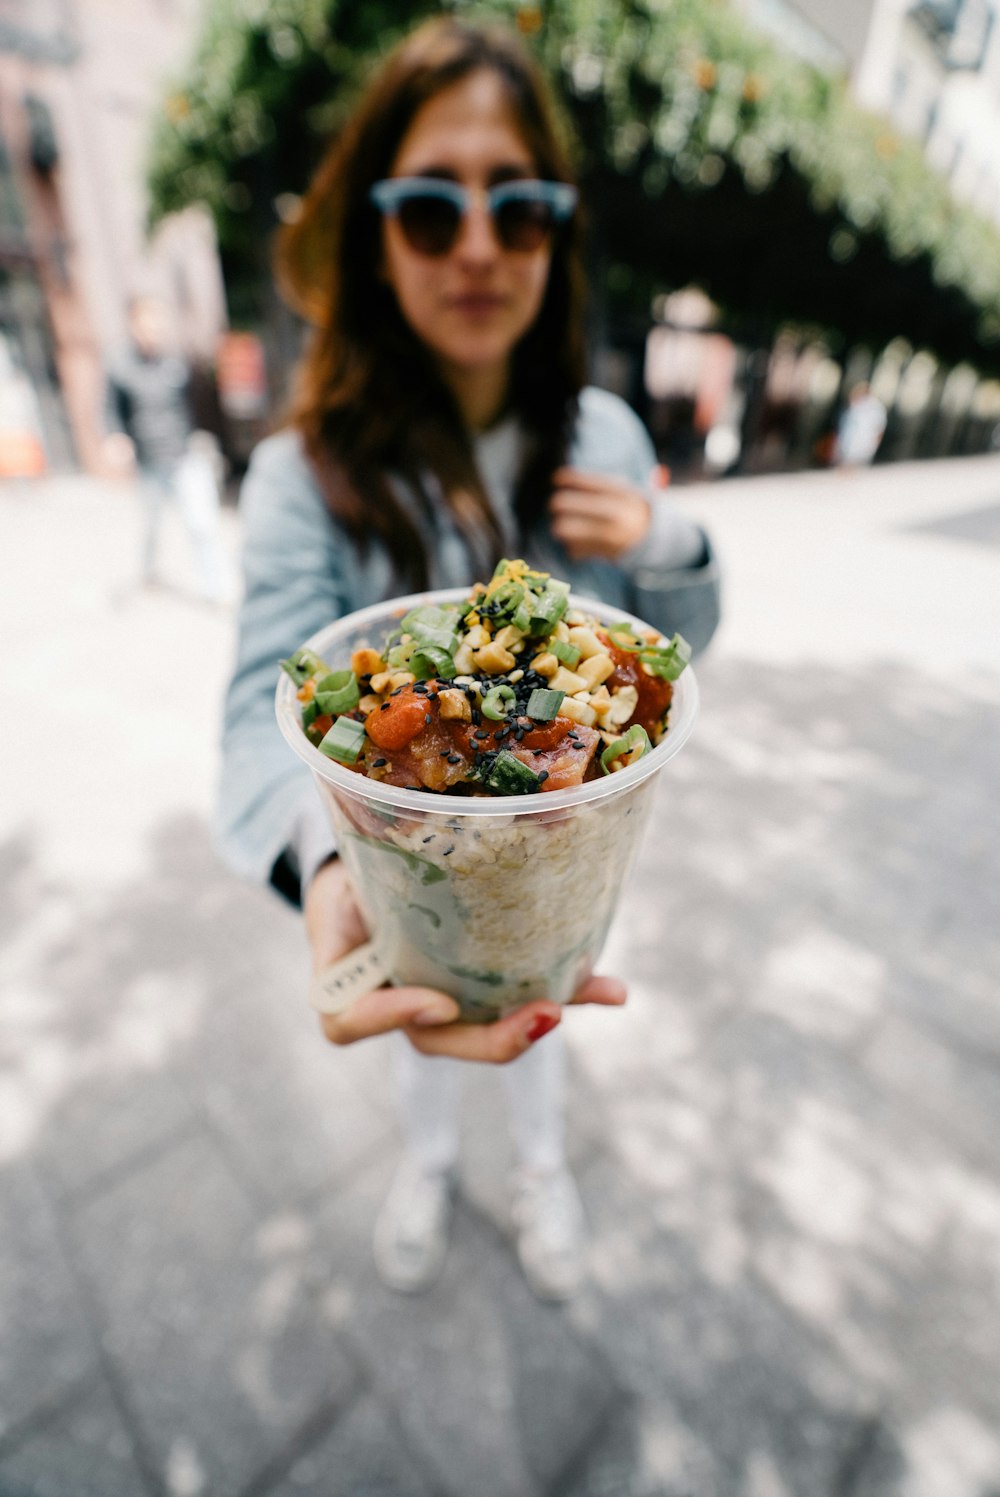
pixel 443 1012
pixel 542 1025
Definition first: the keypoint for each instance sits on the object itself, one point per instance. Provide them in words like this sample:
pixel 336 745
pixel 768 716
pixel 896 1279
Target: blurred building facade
pixel 931 66
pixel 79 80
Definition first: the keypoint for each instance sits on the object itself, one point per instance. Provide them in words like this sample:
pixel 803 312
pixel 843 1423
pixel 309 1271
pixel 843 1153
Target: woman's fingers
pixel 389 1008
pixel 595 483
pixel 429 1019
pixel 495 1043
pixel 597 516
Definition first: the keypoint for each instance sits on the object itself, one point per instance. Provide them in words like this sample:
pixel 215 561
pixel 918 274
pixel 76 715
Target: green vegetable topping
pixel 310 712
pixel 302 666
pixel 622 635
pixel 497 701
pixel 667 661
pixel 547 610
pixel 398 658
pixel 566 654
pixel 544 705
pixel 430 661
pixel 337 692
pixel 521 617
pixel 635 737
pixel 430 625
pixel 510 777
pixel 344 741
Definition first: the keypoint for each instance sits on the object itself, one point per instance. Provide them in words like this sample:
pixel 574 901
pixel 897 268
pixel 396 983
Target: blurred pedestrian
pixel 441 420
pixel 860 428
pixel 150 424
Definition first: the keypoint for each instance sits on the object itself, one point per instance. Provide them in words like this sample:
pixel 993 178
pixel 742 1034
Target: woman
pixel 440 421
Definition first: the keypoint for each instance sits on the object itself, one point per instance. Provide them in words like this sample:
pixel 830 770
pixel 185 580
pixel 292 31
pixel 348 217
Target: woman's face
pixel 472 305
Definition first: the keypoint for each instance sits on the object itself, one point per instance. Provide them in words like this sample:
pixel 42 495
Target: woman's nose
pixel 477 238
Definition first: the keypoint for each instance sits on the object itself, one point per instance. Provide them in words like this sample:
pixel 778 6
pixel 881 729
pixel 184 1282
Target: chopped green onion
pixel 344 741
pixel 503 602
pixel 337 692
pixel 668 662
pixel 633 644
pixel 635 736
pixel 398 658
pixel 547 610
pixel 302 666
pixel 431 662
pixel 496 701
pixel 543 705
pixel 566 654
pixel 521 618
pixel 431 625
pixel 310 712
pixel 510 777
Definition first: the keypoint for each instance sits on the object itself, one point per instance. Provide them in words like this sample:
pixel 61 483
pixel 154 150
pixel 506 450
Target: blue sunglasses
pixel 430 210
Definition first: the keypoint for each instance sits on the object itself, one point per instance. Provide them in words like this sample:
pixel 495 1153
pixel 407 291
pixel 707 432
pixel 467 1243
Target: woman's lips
pixel 477 304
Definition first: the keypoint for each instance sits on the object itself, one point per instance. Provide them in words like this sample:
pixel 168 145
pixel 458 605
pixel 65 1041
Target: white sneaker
pixel 411 1232
pixel 551 1236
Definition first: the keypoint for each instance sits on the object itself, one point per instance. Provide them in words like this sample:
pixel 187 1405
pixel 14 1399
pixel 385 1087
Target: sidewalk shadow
pixel 784 1143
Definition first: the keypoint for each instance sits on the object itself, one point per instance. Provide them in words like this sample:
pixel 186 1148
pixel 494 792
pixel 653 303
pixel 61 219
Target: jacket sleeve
pixel 672 577
pixel 294 560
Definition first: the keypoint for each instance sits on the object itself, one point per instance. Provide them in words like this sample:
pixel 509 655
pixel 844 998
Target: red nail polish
pixel 542 1025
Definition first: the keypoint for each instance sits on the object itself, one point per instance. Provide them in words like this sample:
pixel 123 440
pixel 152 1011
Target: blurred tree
pixel 708 156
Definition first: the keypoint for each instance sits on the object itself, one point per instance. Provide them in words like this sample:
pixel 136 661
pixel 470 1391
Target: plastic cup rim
pixel 433 802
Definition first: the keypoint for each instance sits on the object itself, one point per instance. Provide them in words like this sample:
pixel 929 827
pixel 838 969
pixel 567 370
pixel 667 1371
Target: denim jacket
pixel 302 571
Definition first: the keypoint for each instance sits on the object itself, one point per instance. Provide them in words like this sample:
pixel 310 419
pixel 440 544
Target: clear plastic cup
pixel 497 900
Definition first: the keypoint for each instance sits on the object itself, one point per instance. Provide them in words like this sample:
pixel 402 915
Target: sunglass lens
pixel 430 224
pixel 523 225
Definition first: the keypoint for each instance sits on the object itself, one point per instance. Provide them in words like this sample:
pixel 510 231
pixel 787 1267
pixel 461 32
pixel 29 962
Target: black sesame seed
pixel 447 852
pixel 543 774
pixel 428 719
pixel 454 758
pixel 421 688
pixel 384 707
pixel 429 839
pixel 445 754
pixel 378 763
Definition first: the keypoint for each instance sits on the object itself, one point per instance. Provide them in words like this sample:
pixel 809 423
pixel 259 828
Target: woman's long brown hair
pixel 369 400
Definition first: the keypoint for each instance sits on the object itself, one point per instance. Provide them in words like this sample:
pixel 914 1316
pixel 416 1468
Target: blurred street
pixel 788 1144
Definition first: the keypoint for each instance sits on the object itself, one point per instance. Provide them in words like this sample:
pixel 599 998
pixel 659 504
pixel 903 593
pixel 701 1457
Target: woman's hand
pixel 429 1018
pixel 594 515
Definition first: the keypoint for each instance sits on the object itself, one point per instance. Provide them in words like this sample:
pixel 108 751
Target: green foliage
pixel 672 101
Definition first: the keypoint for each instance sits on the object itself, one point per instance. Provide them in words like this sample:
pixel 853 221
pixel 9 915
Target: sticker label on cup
pixel 337 986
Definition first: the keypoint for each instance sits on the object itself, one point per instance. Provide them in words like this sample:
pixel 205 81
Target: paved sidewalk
pixel 788 1144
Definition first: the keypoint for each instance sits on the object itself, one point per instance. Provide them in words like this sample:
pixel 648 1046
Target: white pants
pixel 191 485
pixel 429 1089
